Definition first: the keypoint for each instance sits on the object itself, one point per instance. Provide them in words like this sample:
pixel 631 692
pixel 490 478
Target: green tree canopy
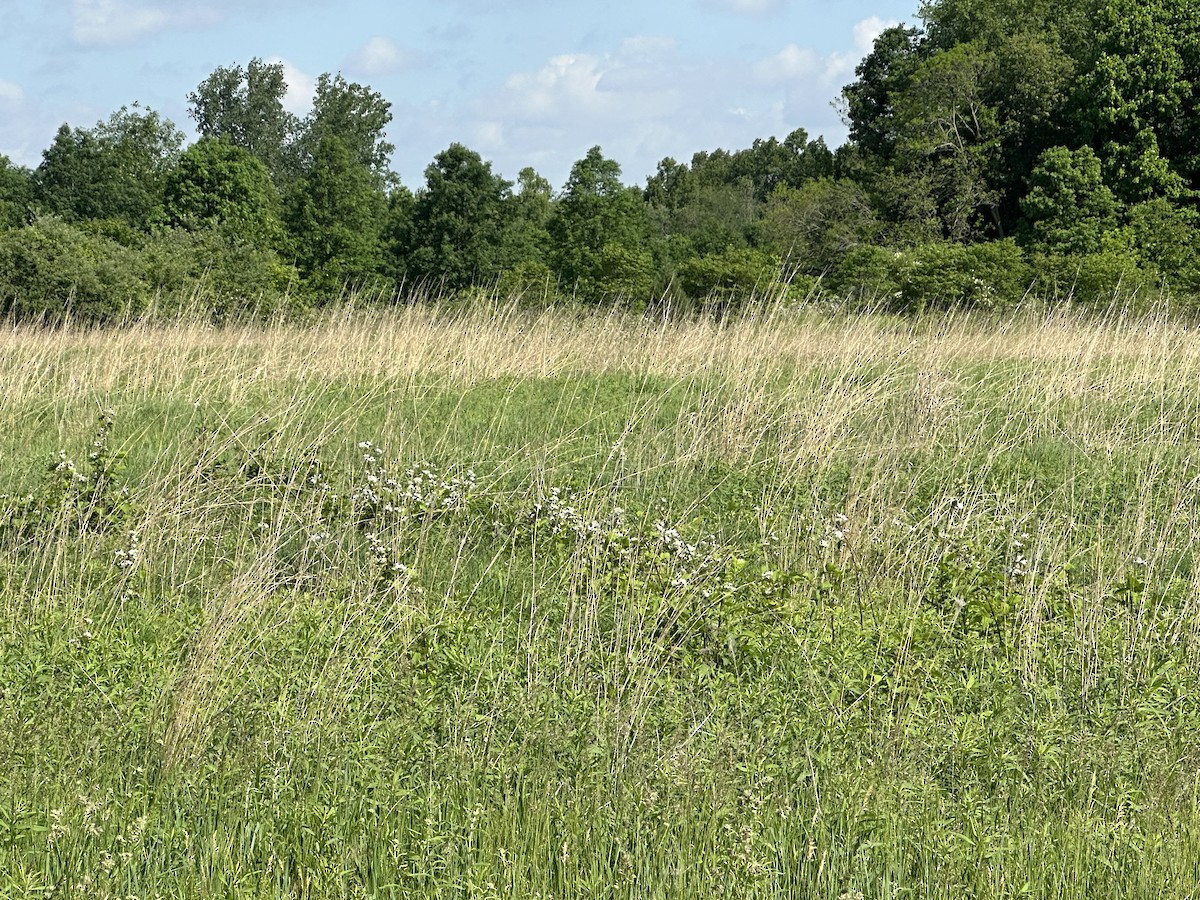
pixel 116 170
pixel 1140 95
pixel 357 116
pixel 947 130
pixel 16 192
pixel 1069 207
pixel 528 237
pixel 599 226
pixel 335 214
pixel 244 107
pixel 882 79
pixel 460 221
pixel 217 184
pixel 813 227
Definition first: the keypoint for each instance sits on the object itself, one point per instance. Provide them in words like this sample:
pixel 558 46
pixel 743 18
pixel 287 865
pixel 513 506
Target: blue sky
pixel 523 82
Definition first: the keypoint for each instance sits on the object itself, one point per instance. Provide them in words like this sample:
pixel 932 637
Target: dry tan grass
pixel 470 346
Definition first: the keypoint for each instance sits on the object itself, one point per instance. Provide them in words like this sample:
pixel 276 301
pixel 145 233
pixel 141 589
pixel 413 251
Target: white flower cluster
pixel 835 532
pixel 129 557
pixel 1019 567
pixel 385 562
pixel 672 542
pixel 676 561
pixel 558 515
pixel 421 491
pixel 66 467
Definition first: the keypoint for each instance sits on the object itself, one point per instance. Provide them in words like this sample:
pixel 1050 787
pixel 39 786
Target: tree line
pixel 1000 148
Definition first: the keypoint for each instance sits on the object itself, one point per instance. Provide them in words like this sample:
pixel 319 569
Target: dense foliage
pixel 1055 141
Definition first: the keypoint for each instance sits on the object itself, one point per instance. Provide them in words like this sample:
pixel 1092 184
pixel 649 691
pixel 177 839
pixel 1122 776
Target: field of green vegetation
pixel 494 604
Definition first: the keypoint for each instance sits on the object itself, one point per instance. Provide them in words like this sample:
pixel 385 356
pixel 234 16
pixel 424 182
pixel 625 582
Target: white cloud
pixel 109 22
pixel 789 64
pixel 647 46
pixel 379 56
pixel 106 23
pixel 300 87
pixel 566 84
pixel 746 7
pixel 867 30
pixel 10 92
pixel 839 67
pixel 640 102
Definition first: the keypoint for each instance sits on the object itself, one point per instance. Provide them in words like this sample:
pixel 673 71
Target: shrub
pixel 866 273
pixel 731 276
pixel 620 273
pixel 231 275
pixel 993 275
pixel 529 282
pixel 56 272
pixel 1112 276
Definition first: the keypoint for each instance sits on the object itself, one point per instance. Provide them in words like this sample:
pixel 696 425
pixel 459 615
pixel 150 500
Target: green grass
pixel 787 607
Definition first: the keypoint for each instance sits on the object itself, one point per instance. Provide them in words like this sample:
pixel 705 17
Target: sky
pixel 523 82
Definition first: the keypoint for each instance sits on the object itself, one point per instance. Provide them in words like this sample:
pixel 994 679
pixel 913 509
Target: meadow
pixel 491 603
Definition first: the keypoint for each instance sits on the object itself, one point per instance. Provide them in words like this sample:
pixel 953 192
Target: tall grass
pixel 490 603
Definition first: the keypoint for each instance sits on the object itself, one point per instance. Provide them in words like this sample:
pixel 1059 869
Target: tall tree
pixel 460 220
pixel 116 170
pixel 357 116
pixel 335 214
pixel 946 129
pixel 528 236
pixel 16 192
pixel 599 230
pixel 1141 93
pixel 882 78
pixel 244 107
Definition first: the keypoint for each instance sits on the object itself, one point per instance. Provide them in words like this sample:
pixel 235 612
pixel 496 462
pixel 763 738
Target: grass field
pixel 426 603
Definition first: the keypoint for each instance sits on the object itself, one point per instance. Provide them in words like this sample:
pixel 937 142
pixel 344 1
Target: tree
pixel 1140 94
pixel 1068 206
pixel 15 193
pixel 813 227
pixel 769 163
pixel 946 129
pixel 460 221
pixel 528 237
pixel 718 217
pixel 671 186
pixel 599 226
pixel 244 107
pixel 951 22
pixel 1028 85
pixel 881 79
pixel 335 215
pixel 354 114
pixel 116 170
pixel 217 184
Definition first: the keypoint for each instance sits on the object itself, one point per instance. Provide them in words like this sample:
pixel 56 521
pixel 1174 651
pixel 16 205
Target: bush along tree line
pixel 1003 148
